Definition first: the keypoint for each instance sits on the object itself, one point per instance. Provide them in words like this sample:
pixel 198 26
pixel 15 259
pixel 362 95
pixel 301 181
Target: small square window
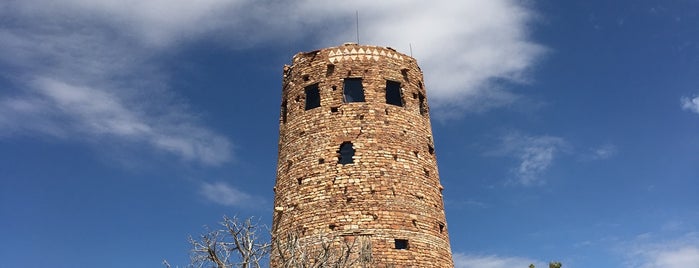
pixel 393 94
pixel 401 243
pixel 312 96
pixel 353 90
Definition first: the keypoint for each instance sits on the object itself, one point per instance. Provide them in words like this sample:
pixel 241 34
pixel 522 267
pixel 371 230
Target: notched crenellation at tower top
pixel 356 156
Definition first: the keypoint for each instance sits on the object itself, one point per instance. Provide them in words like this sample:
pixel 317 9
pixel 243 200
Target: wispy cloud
pixel 646 251
pixel 223 194
pixel 602 152
pixel 492 261
pixel 82 80
pixel 690 104
pixel 467 49
pixel 535 154
pixel 57 54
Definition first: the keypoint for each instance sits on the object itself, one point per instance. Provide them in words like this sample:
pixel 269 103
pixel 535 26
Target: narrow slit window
pixel 346 153
pixel 401 243
pixel 312 96
pixel 284 112
pixel 393 94
pixel 353 90
pixel 330 70
pixel 423 104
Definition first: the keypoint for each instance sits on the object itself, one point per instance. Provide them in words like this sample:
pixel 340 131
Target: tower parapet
pixel 356 156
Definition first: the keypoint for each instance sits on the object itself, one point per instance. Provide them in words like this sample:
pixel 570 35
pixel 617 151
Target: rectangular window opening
pixel 393 94
pixel 401 243
pixel 284 112
pixel 330 70
pixel 312 96
pixel 353 90
pixel 346 153
pixel 423 104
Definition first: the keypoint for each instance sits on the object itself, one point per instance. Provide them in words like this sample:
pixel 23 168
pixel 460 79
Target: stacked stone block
pixel 390 194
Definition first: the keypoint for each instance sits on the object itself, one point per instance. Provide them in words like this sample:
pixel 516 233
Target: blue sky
pixel 564 130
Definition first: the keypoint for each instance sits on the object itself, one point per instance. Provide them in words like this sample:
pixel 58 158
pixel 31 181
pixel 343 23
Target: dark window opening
pixel 415 223
pixel 300 181
pixel 305 77
pixel 441 227
pixel 312 96
pixel 353 90
pixel 401 243
pixel 284 112
pixel 321 161
pixel 423 104
pixel 333 109
pixel 346 153
pixel 332 226
pixel 419 84
pixel 393 94
pixel 430 149
pixel 404 72
pixel 330 70
pixel 334 88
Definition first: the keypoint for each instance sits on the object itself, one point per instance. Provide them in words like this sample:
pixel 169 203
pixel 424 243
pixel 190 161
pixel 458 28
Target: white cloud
pixel 463 47
pixel 491 261
pixel 535 154
pixel 677 257
pixel 224 194
pixel 602 152
pixel 107 50
pixel 690 104
pixel 79 80
pixel 647 252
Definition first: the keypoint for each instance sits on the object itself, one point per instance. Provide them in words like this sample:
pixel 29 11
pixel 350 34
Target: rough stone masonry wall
pixel 392 189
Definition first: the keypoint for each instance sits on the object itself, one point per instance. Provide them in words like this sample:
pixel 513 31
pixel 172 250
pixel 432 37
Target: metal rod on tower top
pixel 357 16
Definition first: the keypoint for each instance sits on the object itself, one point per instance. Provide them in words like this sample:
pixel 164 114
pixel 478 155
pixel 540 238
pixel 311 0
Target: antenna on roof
pixel 411 49
pixel 357 16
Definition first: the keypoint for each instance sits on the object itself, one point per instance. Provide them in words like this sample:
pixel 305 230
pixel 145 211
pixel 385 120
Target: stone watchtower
pixel 356 158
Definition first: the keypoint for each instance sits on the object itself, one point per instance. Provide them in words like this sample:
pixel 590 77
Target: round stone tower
pixel 357 160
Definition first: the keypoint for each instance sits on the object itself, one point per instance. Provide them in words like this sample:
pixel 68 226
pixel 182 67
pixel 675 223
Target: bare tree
pixel 322 251
pixel 238 244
